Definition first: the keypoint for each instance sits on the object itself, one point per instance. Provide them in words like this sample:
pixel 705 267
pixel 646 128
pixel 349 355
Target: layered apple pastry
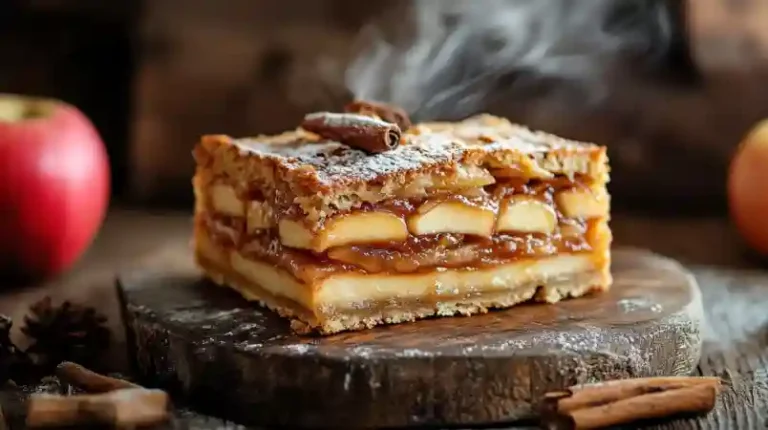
pixel 435 219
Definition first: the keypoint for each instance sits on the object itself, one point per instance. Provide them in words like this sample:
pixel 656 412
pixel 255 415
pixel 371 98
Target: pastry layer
pixel 299 170
pixel 355 300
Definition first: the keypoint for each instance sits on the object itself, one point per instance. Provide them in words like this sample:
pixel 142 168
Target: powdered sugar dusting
pixel 334 162
pixel 424 145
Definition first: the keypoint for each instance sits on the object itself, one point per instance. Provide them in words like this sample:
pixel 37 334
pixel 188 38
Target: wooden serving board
pixel 230 358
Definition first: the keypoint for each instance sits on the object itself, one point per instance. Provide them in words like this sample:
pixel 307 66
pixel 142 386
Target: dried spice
pixel 624 401
pixel 68 332
pixel 367 133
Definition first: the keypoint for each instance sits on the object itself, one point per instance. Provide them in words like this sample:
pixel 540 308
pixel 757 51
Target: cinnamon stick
pixel 386 112
pixel 370 134
pixel 121 408
pixel 588 395
pixel 623 401
pixel 88 380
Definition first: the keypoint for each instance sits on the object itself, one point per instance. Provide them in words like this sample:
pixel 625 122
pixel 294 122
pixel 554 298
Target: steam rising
pixel 467 55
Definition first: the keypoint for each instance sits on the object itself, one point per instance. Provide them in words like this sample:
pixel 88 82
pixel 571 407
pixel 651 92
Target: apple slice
pixel 355 228
pixel 198 190
pixel 258 217
pixel 583 203
pixel 467 177
pixel 510 172
pixel 294 234
pixel 225 200
pixel 452 216
pixel 525 214
pixel 463 180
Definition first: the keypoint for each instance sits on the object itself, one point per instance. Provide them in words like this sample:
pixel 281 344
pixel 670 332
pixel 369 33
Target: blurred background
pixel 670 86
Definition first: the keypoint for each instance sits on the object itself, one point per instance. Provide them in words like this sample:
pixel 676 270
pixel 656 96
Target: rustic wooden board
pixel 235 360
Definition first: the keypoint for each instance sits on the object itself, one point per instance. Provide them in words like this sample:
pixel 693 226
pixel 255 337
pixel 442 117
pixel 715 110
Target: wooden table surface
pixel 734 286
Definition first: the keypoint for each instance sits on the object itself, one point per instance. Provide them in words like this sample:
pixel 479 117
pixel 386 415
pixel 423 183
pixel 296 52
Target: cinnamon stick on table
pixel 120 408
pixel 370 134
pixel 114 402
pixel 386 112
pixel 610 403
pixel 88 380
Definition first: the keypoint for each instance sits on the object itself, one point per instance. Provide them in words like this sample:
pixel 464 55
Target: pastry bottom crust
pixel 318 314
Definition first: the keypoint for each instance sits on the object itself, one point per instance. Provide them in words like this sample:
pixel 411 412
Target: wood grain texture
pixel 235 360
pixel 736 337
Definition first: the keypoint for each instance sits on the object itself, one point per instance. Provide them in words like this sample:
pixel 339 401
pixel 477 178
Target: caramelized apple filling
pixel 474 228
pixel 455 251
pixel 414 255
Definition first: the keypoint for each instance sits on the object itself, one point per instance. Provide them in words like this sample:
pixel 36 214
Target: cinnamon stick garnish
pixel 370 134
pixel 88 380
pixel 386 112
pixel 619 402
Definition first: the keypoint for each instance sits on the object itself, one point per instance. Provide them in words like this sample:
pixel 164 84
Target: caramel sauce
pixel 225 230
pixel 457 251
pixel 254 194
pixel 417 253
pixel 304 265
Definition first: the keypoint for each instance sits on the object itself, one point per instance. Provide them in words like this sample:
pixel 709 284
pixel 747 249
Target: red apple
pixel 748 188
pixel 54 186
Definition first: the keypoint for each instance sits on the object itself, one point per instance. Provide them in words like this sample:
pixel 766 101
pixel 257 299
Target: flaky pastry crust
pixel 324 177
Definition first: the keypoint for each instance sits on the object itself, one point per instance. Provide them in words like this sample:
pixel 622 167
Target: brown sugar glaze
pixel 419 253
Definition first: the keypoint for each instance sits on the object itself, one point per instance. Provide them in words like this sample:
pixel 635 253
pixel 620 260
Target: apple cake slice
pixel 349 222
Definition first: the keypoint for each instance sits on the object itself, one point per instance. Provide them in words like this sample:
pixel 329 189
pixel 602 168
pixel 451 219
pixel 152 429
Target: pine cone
pixel 68 332
pixel 14 364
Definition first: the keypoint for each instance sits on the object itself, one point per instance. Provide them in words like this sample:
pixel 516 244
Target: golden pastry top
pixel 322 177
